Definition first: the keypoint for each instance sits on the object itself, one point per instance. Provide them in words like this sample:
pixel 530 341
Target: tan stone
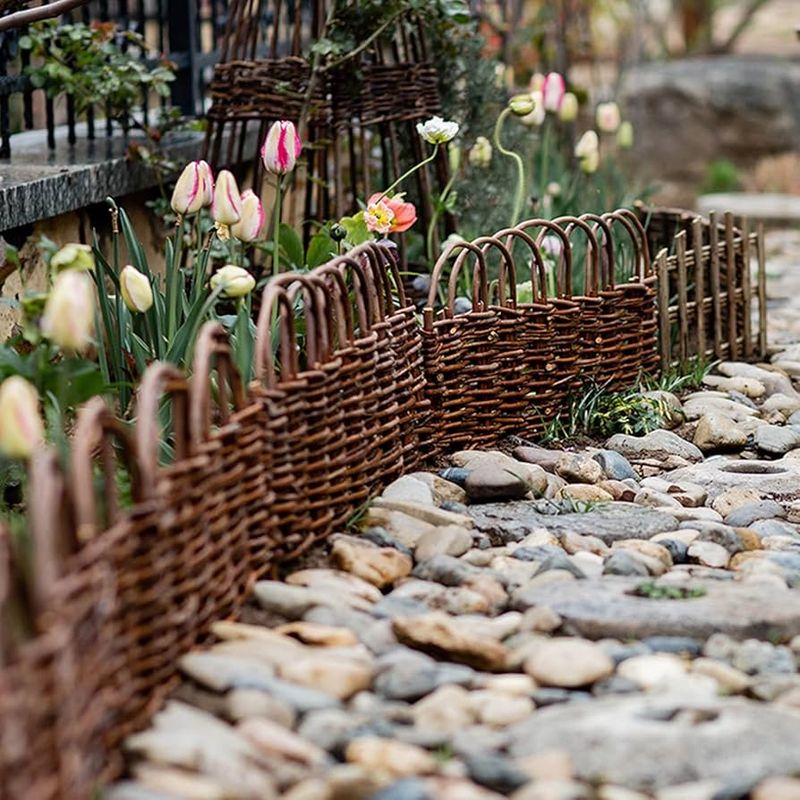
pixel 452 540
pixel 336 675
pixel 406 529
pixel 777 788
pixel 337 580
pixel 730 499
pixel 646 548
pixel 511 683
pixel 426 513
pixel 443 491
pixel 749 539
pixel 550 765
pixel 730 679
pixel 441 635
pixel 579 468
pixel 618 490
pixel 585 493
pixel 446 710
pixel 245 703
pixel 568 662
pixel 540 619
pixel 390 756
pixel 381 566
pixel 576 542
pixel 275 740
pixel 499 709
pixel 319 635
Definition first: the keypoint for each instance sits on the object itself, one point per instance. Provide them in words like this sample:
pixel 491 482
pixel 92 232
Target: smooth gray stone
pixel 659 444
pixel 622 563
pixel 380 537
pixel 776 441
pixel 404 789
pixel 746 515
pixel 673 644
pixel 672 739
pixel 615 466
pixel 495 772
pixel 773 527
pixel 599 608
pixel 512 522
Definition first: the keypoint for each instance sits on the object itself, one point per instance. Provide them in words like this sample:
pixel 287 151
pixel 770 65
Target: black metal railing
pixel 187 32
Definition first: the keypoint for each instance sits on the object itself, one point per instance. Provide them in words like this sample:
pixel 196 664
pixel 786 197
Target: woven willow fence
pixel 115 595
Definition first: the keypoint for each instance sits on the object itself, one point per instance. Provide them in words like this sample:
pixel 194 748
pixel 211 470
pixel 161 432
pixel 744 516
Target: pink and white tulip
pixel 608 117
pixel 188 196
pixel 554 90
pixel 282 147
pixel 227 206
pixel 207 177
pixel 248 228
pixel 68 318
pixel 21 426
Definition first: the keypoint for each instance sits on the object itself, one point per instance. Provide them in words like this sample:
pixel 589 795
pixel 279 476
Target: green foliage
pixel 600 413
pixel 683 378
pixel 722 176
pixel 655 591
pixel 95 64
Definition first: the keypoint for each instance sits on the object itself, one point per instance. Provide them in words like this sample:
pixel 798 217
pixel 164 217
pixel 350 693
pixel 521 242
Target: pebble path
pixel 610 623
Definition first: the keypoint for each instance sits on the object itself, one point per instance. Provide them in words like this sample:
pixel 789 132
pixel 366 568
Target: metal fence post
pixel 182 31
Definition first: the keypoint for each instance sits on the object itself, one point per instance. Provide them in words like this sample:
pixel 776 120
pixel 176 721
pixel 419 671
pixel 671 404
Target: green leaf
pixel 291 245
pixel 356 228
pixel 321 248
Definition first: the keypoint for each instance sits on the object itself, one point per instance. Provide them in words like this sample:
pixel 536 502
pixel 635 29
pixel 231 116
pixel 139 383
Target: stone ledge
pixel 37 183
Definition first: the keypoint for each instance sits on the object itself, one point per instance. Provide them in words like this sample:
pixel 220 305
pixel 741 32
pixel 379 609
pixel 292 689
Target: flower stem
pixel 410 172
pixel 519 200
pixel 173 281
pixel 435 217
pixel 276 228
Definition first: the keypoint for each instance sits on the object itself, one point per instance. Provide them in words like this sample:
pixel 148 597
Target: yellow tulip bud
pixel 235 281
pixel 569 108
pixel 625 135
pixel 21 427
pixel 137 293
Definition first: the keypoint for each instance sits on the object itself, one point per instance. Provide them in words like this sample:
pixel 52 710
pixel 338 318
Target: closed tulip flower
pixel 591 162
pixel 207 177
pixel 137 293
pixel 21 427
pixel 569 108
pixel 554 90
pixel 227 206
pixel 608 117
pixel 235 281
pixel 188 196
pixel 73 256
pixel 480 155
pixel 69 311
pixel 625 135
pixel 282 147
pixel 588 144
pixel 248 228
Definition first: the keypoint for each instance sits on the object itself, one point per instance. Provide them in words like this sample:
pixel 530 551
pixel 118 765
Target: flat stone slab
pixel 650 742
pixel 600 608
pixel 772 207
pixel 512 522
pixel 775 480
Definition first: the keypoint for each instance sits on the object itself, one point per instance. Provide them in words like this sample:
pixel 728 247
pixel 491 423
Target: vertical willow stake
pixel 519 200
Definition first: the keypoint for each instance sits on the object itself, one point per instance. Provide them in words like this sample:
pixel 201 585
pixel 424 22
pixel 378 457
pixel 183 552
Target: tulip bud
pixel 537 82
pixel 338 232
pixel 588 143
pixel 521 104
pixel 248 228
pixel 227 206
pixel 69 312
pixel 569 108
pixel 189 192
pixel 590 163
pixel 625 135
pixel 73 256
pixel 137 293
pixel 453 157
pixel 281 148
pixel 21 427
pixel 480 154
pixel 235 281
pixel 553 90
pixel 608 117
pixel 553 189
pixel 207 177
